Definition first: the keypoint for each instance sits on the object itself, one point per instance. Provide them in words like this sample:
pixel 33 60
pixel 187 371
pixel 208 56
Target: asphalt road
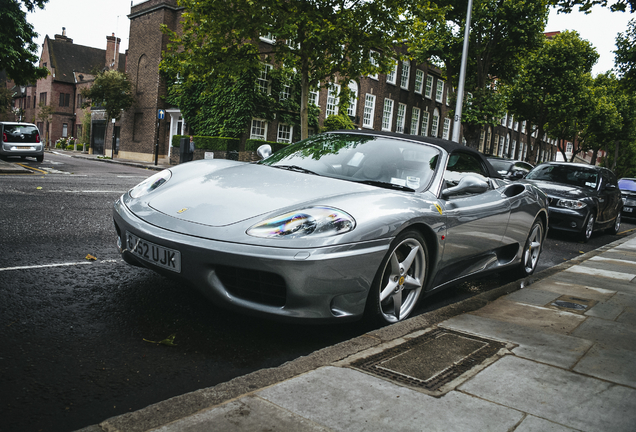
pixel 79 338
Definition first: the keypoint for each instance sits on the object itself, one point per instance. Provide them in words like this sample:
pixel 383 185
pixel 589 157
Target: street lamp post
pixel 462 76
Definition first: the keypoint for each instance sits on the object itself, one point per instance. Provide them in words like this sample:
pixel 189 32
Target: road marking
pixel 55 265
pixel 31 168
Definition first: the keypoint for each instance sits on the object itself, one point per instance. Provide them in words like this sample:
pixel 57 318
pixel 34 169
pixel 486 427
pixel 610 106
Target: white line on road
pixel 55 265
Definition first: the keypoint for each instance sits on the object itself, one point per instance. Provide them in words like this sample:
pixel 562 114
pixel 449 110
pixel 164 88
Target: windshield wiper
pixel 296 168
pixel 385 185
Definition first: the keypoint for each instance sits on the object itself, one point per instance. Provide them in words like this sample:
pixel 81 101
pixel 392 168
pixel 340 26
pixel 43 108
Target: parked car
pixel 628 192
pixel 583 198
pixel 510 169
pixel 336 227
pixel 21 139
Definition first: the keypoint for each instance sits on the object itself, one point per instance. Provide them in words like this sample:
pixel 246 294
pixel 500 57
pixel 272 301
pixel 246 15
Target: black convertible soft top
pixel 448 146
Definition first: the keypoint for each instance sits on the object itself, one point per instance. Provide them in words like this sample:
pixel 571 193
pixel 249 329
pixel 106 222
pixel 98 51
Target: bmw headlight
pixel 150 184
pixel 312 221
pixel 571 204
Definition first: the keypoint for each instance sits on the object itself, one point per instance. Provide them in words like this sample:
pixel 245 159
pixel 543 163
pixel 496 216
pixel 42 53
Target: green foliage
pixel 320 40
pixel 112 91
pixel 86 128
pixel 625 60
pixel 19 51
pixel 6 96
pixel 502 33
pixel 253 145
pixel 586 5
pixel 208 142
pixel 337 122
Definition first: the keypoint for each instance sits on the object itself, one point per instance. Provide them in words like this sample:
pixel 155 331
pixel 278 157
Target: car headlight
pixel 150 184
pixel 312 221
pixel 571 204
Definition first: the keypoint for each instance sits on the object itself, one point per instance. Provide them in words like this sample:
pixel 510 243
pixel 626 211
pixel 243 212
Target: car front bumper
pixel 328 283
pixel 567 220
pixel 19 149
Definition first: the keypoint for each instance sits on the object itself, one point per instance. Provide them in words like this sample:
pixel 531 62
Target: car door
pixel 476 222
pixel 609 197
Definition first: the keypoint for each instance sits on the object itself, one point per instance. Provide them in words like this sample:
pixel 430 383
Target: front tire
pixel 617 225
pixel 397 286
pixel 588 228
pixel 531 250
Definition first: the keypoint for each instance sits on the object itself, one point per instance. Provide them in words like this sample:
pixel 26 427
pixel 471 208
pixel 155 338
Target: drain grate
pixel 573 304
pixel 432 360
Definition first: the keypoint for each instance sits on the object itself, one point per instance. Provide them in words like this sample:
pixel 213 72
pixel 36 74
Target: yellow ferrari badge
pixel 182 210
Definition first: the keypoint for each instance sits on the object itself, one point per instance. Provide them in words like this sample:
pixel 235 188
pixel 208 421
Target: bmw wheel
pixel 617 225
pixel 588 228
pixel 398 284
pixel 531 250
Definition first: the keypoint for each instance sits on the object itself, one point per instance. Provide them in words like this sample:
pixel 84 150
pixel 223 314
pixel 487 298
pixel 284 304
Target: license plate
pixel 158 255
pixel 23 148
pixel 628 209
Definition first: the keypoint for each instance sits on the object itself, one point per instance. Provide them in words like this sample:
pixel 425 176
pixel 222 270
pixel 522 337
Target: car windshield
pixel 20 133
pixel 502 166
pixel 381 161
pixel 627 185
pixel 566 174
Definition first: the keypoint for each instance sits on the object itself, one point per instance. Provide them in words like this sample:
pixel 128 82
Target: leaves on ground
pixel 91 257
pixel 169 341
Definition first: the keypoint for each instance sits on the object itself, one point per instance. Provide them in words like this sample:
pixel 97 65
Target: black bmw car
pixel 628 191
pixel 583 198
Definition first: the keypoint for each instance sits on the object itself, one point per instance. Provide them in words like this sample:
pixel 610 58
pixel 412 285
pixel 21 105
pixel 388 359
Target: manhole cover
pixel 573 304
pixel 432 360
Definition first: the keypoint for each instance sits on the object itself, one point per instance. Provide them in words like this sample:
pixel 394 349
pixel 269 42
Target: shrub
pixel 209 143
pixel 337 122
pixel 70 147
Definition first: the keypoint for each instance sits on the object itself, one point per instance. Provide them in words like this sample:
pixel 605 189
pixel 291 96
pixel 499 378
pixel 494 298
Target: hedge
pixel 253 144
pixel 209 143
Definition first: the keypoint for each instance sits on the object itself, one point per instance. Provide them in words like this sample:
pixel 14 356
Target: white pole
pixel 462 77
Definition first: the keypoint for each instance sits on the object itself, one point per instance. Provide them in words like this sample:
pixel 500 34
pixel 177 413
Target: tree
pixel 110 91
pixel 45 113
pixel 19 51
pixel 586 5
pixel 552 84
pixel 319 40
pixel 625 55
pixel 502 33
pixel 6 97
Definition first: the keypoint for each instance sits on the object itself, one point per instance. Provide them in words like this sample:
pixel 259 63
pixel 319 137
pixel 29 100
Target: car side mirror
pixel 468 184
pixel 264 151
pixel 610 186
pixel 518 174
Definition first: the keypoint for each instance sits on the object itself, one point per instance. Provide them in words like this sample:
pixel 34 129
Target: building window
pixel 263 80
pixel 64 130
pixel 419 81
pixel 401 114
pixel 333 99
pixel 314 96
pixel 406 73
pixel 353 103
pixel 425 116
pixel 482 138
pixel 374 63
pixel 259 129
pixel 415 120
pixel 43 98
pixel 284 133
pixel 507 146
pixel 510 121
pixel 448 94
pixel 369 111
pixel 64 99
pixel 503 119
pixel 387 115
pixel 429 86
pixel 391 77
pixel 268 37
pixel 285 93
pixel 501 146
pixel 439 91
pixel 513 149
pixel 568 147
pixel 435 123
pixel 80 100
pixel 446 129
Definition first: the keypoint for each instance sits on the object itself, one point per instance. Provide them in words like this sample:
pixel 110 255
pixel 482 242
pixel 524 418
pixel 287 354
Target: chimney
pixel 63 37
pixel 112 51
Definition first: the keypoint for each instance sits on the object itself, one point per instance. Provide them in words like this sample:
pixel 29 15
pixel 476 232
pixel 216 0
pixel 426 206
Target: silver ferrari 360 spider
pixel 343 225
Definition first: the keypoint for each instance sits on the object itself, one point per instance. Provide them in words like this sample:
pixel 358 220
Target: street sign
pixel 161 114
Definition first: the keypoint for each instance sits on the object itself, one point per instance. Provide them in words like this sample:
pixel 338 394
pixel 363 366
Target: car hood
pixel 235 193
pixel 562 190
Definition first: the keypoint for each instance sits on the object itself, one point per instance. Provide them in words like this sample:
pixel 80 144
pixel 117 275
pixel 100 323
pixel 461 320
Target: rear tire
pixel 531 250
pixel 399 281
pixel 39 158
